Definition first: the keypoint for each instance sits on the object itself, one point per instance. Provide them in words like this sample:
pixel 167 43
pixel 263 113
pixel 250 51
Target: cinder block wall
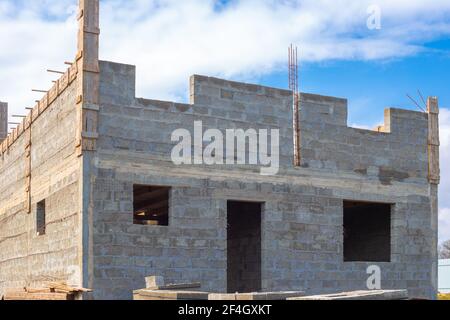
pixel 244 247
pixel 399 153
pixel 25 257
pixel 302 221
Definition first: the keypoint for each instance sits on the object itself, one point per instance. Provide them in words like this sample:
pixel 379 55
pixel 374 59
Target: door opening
pixel 243 247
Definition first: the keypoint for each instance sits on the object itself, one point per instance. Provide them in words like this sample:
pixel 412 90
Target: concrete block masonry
pixel 302 212
pixel 301 216
pixel 302 208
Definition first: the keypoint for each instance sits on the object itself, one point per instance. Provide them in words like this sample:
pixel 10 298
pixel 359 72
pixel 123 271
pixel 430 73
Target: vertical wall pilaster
pixel 89 76
pixel 434 179
pixel 87 134
pixel 433 140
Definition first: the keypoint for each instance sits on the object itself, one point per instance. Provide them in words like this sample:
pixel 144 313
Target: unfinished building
pixel 89 193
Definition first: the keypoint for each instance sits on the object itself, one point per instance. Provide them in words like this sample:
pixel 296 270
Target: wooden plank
pixel 64 288
pixel 22 295
pixel 44 290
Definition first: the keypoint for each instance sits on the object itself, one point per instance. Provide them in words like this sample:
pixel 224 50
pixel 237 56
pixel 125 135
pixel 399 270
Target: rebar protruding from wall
pixel 433 140
pixel 293 85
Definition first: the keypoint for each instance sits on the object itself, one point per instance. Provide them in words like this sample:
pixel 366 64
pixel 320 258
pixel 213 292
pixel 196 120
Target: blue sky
pixel 247 40
pixel 370 86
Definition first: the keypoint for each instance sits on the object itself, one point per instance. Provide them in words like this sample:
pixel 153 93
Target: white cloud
pixel 366 127
pixel 444 127
pixel 249 38
pixel 444 224
pixel 444 188
pixel 30 45
pixel 168 40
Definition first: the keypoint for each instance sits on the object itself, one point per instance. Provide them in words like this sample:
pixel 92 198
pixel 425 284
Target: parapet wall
pixel 396 151
pixel 55 91
pixel 146 126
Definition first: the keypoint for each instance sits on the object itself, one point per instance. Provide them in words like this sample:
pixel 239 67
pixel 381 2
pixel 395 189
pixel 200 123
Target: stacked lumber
pixel 50 291
pixel 63 287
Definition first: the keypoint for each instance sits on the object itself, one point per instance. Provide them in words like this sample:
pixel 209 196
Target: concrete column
pixel 88 73
pixel 434 179
pixel 3 121
pixel 88 84
pixel 433 140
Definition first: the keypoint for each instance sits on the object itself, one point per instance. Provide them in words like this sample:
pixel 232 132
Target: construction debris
pixel 360 295
pixel 63 287
pixel 158 283
pixel 50 291
pixel 146 294
pixel 261 296
pixel 156 289
pixel 24 295
pixel 178 286
pixel 154 281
